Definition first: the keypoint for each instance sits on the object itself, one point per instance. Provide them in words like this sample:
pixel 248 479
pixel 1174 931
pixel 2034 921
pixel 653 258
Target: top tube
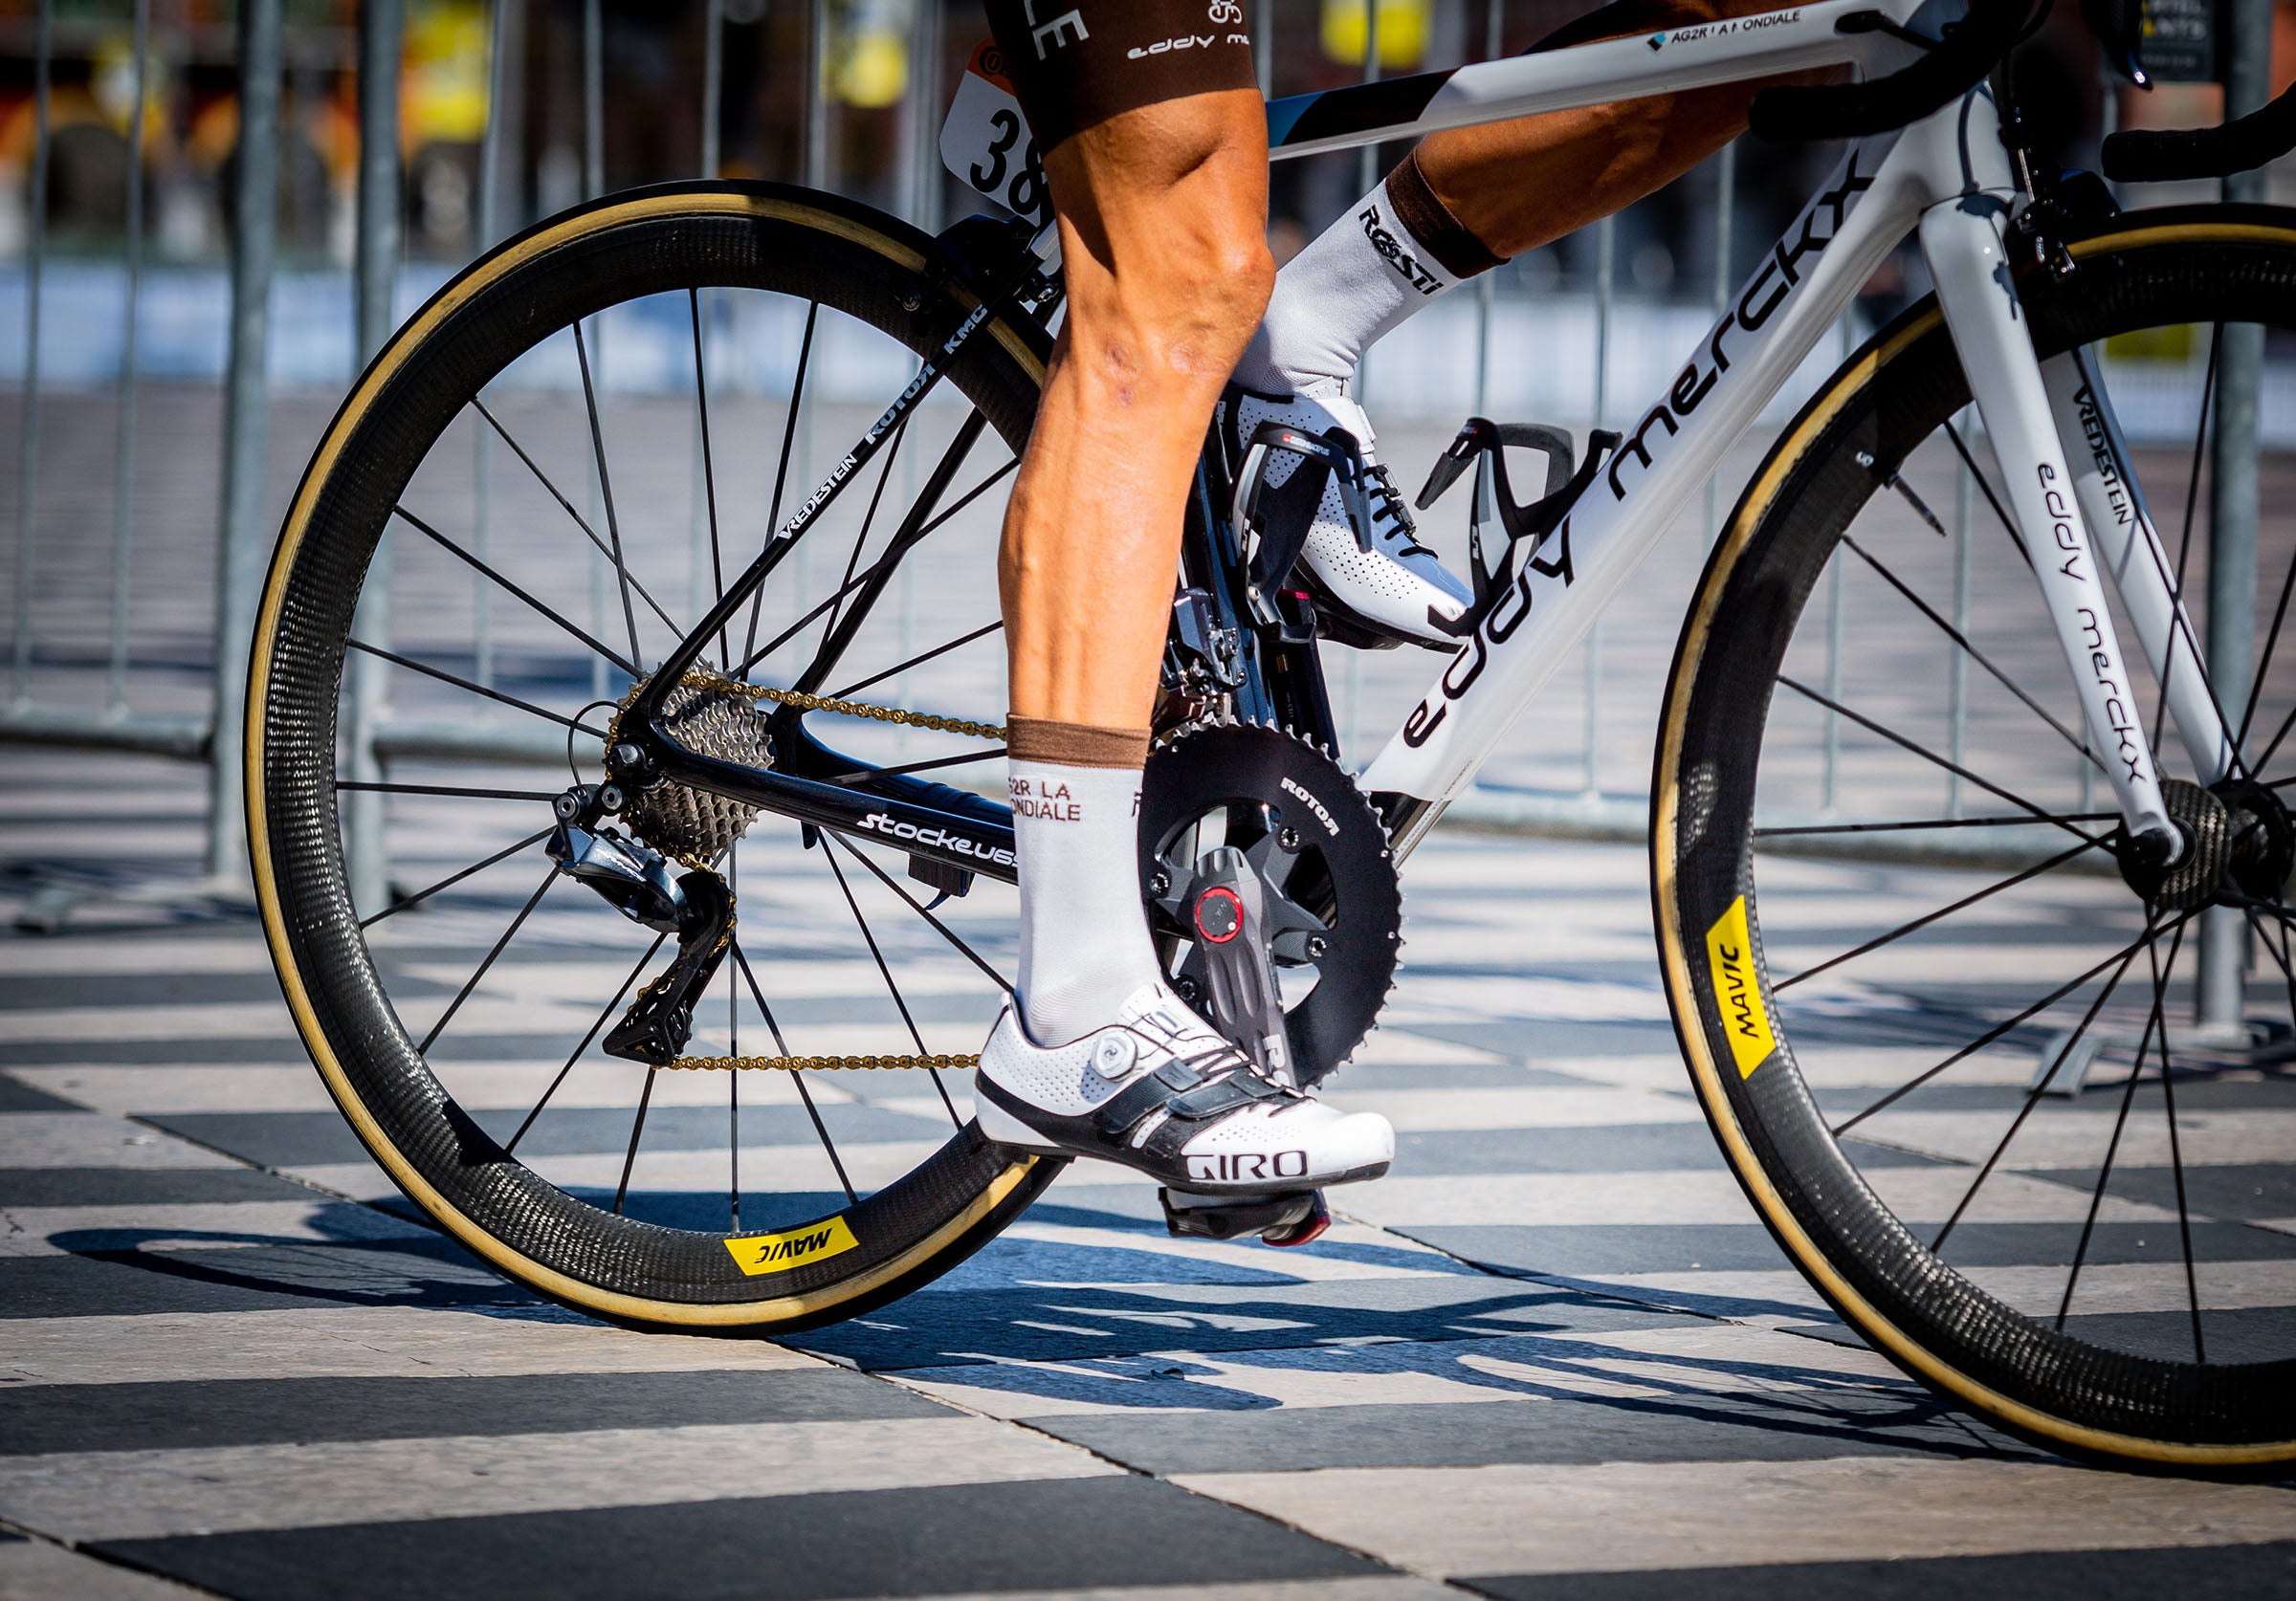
pixel 1663 62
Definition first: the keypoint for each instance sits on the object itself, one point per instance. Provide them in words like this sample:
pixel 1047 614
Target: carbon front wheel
pixel 2020 1109
pixel 549 477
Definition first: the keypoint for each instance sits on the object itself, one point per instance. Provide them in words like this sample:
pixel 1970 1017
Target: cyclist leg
pixel 1469 199
pixel 1163 206
pixel 1513 187
pixel 1463 201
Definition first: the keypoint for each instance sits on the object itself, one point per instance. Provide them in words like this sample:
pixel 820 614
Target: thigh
pixel 1078 63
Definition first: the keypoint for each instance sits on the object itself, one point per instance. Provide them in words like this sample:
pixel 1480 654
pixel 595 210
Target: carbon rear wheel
pixel 459 602
pixel 1974 1087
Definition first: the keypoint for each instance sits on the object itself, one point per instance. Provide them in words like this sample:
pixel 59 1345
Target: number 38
pixel 1027 194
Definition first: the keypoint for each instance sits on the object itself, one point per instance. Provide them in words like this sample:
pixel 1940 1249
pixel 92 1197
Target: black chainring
pixel 1265 780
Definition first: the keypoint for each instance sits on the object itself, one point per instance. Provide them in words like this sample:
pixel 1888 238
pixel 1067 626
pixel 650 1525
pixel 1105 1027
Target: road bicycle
pixel 772 739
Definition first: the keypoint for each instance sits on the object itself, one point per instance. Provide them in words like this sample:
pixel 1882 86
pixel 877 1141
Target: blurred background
pixel 131 548
pixel 886 70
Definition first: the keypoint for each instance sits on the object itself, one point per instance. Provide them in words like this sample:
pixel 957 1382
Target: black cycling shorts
pixel 1079 62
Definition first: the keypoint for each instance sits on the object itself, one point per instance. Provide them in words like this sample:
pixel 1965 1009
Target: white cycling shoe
pixel 1381 577
pixel 1160 1091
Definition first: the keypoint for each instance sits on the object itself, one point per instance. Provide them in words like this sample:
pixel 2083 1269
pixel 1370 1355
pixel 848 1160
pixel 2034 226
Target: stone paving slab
pixel 1552 1356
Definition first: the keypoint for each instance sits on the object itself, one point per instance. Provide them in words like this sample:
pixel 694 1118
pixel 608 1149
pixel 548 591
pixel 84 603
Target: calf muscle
pixel 1162 218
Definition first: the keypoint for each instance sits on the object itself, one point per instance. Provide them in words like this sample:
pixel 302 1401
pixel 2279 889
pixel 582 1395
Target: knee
pixel 1164 214
pixel 1187 309
pixel 1233 288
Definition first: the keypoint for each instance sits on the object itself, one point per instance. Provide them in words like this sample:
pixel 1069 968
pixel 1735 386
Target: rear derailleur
pixel 634 879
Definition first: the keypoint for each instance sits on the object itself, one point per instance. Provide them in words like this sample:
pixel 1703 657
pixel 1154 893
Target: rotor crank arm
pixel 1969 262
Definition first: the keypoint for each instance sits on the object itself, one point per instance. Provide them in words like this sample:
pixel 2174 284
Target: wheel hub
pixel 714 718
pixel 2240 846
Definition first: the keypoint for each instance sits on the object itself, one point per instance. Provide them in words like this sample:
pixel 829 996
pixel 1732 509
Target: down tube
pixel 1869 203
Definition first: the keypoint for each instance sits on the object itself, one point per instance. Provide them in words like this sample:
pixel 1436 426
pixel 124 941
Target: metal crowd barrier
pixel 376 738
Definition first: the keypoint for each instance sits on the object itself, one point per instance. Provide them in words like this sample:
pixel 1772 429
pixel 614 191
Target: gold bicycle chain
pixel 819 1064
pixel 803 702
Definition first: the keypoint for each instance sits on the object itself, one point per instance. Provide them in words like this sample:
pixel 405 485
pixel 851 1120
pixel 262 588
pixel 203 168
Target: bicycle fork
pixel 1968 255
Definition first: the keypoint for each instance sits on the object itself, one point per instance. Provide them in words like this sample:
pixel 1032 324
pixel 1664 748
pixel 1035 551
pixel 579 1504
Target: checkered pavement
pixel 1553 1355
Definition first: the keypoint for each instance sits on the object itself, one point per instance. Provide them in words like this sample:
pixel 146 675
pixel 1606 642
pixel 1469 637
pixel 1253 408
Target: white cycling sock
pixel 1076 824
pixel 1387 255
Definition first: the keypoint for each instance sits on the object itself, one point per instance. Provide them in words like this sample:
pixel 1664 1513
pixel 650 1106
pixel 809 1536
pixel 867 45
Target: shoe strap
pixel 1192 1096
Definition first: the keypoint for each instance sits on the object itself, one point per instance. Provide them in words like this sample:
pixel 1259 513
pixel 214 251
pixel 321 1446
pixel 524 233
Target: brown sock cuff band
pixel 1074 744
pixel 1432 223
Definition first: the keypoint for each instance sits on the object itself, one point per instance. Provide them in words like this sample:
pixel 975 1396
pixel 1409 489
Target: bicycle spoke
pixel 453 879
pixel 869 518
pixel 709 485
pixel 472 982
pixel 916 661
pixel 781 476
pixel 1926 755
pixel 2176 586
pixel 1995 1032
pixel 2273 749
pixel 1985 486
pixel 2184 1215
pixel 1922 922
pixel 2255 689
pixel 2184 547
pixel 457 793
pixel 733 1048
pixel 480 567
pixel 610 1007
pixel 939 927
pixel 461 683
pixel 2282 956
pixel 799 1078
pixel 879 569
pixel 580 521
pixel 886 972
pixel 2155 1025
pixel 606 489
pixel 1799 830
pixel 839 637
pixel 1978 656
pixel 987 754
pixel 637 1127
pixel 2032 1099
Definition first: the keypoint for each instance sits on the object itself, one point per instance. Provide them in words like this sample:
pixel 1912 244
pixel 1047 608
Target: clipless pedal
pixel 1291 1218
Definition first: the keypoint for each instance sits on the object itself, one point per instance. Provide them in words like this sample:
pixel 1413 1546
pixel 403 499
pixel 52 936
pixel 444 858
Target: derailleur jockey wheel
pixel 1226 799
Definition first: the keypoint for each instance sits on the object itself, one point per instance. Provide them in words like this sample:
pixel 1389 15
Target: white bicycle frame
pixel 1946 178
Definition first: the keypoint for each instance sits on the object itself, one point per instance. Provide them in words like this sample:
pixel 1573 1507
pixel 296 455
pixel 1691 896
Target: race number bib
pixel 986 142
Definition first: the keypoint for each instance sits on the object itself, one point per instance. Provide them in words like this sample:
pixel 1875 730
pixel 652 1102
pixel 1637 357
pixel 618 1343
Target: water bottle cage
pixel 1482 443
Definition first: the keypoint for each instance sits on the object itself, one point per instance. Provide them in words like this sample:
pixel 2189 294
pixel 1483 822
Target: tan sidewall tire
pixel 1682 952
pixel 1004 1184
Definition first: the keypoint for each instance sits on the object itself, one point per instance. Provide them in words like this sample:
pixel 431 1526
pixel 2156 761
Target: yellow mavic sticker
pixel 777 1253
pixel 1730 948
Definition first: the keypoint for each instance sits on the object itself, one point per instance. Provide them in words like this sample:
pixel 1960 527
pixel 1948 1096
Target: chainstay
pixel 818 1063
pixel 800 701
